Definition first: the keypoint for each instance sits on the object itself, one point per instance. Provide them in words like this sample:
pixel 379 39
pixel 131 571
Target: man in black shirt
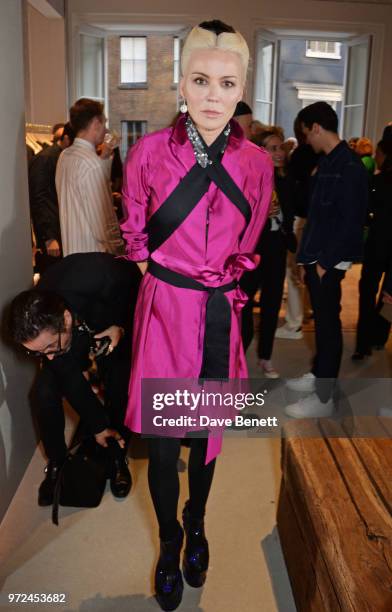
pixel 82 304
pixel 332 240
pixel 44 205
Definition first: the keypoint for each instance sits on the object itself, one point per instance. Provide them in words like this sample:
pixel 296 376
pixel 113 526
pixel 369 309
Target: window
pixel 131 131
pixel 91 75
pixel 323 49
pixel 308 93
pixel 133 53
pixel 176 63
pixel 265 81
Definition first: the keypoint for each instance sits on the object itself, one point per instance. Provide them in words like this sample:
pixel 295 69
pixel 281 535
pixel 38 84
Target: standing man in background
pixel 87 217
pixel 243 114
pixel 44 206
pixel 331 241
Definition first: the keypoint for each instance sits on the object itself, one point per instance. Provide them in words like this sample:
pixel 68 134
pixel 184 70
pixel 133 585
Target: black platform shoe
pixel 196 555
pixel 168 579
pixel 121 479
pixel 46 488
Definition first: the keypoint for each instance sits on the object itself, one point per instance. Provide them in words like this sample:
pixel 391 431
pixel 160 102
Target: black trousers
pixel 372 328
pixel 269 277
pixel 114 372
pixel 325 296
pixel 164 482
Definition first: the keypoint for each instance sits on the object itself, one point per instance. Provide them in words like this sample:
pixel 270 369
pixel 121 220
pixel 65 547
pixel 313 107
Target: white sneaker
pixel 306 383
pixel 310 406
pixel 288 333
pixel 385 411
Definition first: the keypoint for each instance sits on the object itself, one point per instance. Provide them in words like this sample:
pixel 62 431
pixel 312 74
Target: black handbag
pixel 82 479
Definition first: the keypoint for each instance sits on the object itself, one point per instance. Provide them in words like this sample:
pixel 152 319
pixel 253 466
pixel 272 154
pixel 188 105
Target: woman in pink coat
pixel 196 199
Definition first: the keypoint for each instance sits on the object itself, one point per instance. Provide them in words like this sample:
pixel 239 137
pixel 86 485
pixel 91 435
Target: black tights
pixel 164 482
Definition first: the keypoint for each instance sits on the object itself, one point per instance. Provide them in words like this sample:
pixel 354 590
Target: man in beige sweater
pixel 87 218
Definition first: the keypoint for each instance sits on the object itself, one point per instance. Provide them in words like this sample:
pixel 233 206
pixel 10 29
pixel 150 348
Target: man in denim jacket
pixel 332 240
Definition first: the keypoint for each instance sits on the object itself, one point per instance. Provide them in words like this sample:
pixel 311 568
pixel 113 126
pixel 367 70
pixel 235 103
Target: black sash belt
pixel 216 349
pixel 188 193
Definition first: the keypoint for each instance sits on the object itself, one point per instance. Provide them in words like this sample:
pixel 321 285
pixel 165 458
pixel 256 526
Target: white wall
pixel 17 440
pixel 250 15
pixel 45 68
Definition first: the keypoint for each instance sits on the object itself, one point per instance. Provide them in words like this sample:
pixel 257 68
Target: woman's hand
pixel 115 334
pixel 274 208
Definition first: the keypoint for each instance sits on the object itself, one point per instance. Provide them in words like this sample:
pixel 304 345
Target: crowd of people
pixel 214 211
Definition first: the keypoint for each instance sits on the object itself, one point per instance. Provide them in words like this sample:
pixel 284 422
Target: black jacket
pixel 379 242
pixel 337 211
pixel 43 196
pixel 302 163
pixel 100 290
pixel 284 186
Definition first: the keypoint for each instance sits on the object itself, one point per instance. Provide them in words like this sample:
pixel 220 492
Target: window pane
pixel 264 81
pixel 353 121
pixel 91 66
pixel 357 74
pixel 126 48
pixel 127 71
pixel 176 71
pixel 356 90
pixel 140 48
pixel 131 131
pixel 263 112
pixel 176 60
pixel 133 59
pixel 323 47
pixel 176 48
pixel 140 72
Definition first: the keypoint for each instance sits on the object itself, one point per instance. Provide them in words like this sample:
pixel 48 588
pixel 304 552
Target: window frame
pixel 176 60
pixel 125 144
pixel 133 84
pixel 336 55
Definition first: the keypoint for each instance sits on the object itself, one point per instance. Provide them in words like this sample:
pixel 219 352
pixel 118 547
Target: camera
pixel 100 346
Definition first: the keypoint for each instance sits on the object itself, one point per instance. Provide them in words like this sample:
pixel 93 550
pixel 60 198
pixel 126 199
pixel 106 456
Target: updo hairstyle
pixel 215 35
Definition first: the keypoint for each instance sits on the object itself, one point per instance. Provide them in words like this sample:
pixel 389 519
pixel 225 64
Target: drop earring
pixel 183 107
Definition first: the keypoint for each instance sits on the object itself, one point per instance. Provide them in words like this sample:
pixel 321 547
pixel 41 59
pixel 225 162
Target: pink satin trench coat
pixel 169 321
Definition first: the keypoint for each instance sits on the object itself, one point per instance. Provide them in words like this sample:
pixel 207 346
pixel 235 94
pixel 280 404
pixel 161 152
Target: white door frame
pixel 375 30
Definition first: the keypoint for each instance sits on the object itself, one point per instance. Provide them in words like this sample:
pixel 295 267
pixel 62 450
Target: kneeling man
pixel 81 308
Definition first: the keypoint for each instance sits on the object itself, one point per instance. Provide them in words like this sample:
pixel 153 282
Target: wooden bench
pixel 335 516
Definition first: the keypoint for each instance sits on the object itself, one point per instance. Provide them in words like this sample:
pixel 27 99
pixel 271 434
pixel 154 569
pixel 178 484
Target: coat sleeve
pixel 261 207
pixel 77 391
pixel 45 221
pixel 136 195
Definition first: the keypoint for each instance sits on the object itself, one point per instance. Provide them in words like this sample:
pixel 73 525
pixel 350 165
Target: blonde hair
pixel 200 38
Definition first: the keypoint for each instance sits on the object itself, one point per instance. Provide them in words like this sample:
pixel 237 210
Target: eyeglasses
pixel 58 351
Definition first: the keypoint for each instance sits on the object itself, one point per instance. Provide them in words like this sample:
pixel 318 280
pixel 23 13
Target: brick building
pixel 142 84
